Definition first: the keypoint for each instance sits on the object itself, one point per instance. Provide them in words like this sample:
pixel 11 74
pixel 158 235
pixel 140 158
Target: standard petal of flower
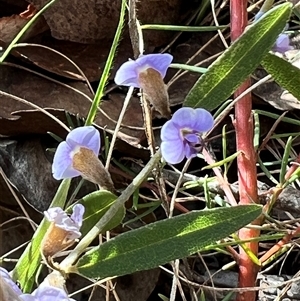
pixel 158 61
pixel 77 215
pixel 127 75
pixel 204 120
pixel 185 118
pixel 170 131
pixel 173 153
pixel 86 136
pixel 62 163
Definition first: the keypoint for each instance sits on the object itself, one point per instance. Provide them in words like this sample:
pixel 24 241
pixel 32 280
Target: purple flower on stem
pixel 147 72
pixel 181 136
pixel 129 72
pixel 63 231
pixel 62 220
pixel 82 138
pixel 78 155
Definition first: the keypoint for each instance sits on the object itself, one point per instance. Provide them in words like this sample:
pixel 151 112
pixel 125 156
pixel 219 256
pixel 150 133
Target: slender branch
pixel 246 161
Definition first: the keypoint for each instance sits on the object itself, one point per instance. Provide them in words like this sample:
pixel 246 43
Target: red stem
pixel 246 160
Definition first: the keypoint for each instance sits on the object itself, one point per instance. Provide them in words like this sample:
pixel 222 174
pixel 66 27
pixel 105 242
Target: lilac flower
pixel 78 155
pixel 181 136
pixel 147 72
pixel 129 72
pixel 63 230
pixel 282 44
pixel 71 224
pixel 82 138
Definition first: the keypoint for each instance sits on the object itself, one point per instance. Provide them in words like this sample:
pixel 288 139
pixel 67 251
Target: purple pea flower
pixel 282 44
pixel 147 72
pixel 63 231
pixel 129 72
pixel 181 136
pixel 62 220
pixel 78 155
pixel 82 138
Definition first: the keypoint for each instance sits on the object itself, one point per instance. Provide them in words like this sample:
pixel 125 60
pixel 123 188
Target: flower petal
pixel 204 121
pixel 28 297
pixel 77 215
pixel 86 136
pixel 158 61
pixel 189 151
pixel 173 153
pixel 49 293
pixel 192 138
pixel 170 131
pixel 282 44
pixel 6 277
pixel 52 213
pixel 62 163
pixel 185 118
pixel 127 75
pixel 63 221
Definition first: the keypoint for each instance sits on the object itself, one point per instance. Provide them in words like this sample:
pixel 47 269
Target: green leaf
pixel 26 267
pixel 230 70
pixel 96 205
pixel 163 241
pixel 284 73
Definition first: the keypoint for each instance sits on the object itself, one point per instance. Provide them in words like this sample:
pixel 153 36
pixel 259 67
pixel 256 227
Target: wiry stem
pixel 246 160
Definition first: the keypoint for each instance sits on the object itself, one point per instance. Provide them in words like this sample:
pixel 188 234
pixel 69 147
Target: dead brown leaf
pixel 11 26
pixel 88 21
pixel 90 58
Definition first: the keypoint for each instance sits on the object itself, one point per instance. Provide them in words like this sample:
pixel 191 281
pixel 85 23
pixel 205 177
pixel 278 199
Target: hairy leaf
pixel 229 71
pixel 163 241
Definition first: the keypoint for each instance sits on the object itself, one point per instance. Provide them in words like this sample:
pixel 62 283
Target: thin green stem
pixel 100 91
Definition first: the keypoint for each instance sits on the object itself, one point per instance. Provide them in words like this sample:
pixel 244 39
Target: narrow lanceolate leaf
pixel 163 241
pixel 229 71
pixel 96 205
pixel 284 73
